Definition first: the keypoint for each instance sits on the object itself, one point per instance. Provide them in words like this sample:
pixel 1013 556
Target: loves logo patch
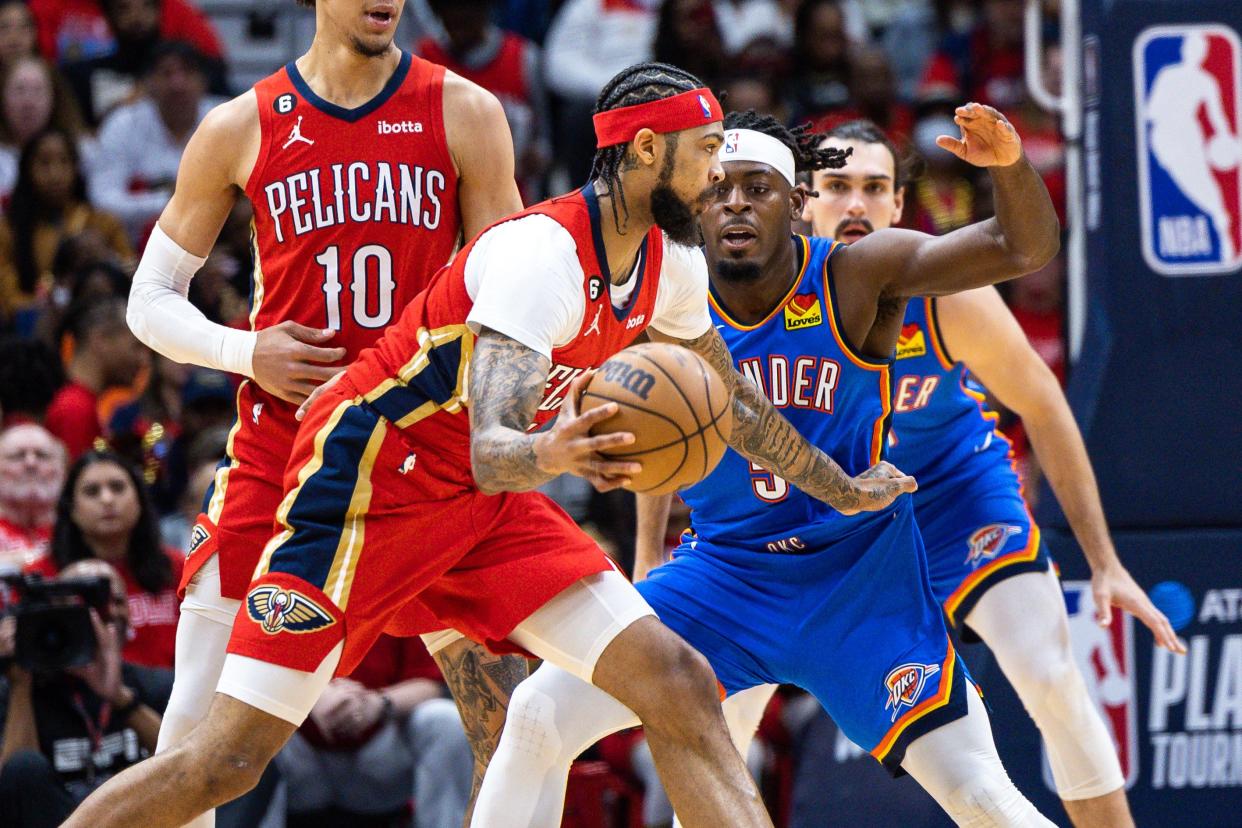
pixel 911 342
pixel 905 684
pixel 285 610
pixel 803 311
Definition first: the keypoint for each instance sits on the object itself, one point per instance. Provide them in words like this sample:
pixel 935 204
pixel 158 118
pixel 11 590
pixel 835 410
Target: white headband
pixel 751 145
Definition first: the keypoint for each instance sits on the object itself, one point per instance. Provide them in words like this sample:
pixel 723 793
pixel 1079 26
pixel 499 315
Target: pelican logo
pixel 285 610
pixel 905 684
pixel 987 542
pixel 198 536
pixel 255 411
pixel 407 465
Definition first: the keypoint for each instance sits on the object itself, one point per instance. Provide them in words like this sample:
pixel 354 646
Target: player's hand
pixel 876 488
pixel 1112 587
pixel 103 674
pixel 289 361
pixel 569 447
pixel 314 395
pixel 988 139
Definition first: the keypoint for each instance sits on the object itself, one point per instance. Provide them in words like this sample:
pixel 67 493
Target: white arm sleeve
pixel 681 298
pixel 526 283
pixel 161 316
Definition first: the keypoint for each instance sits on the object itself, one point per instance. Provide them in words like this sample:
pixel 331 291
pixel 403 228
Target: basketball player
pixel 364 166
pixel 987 563
pixel 392 493
pixel 767 575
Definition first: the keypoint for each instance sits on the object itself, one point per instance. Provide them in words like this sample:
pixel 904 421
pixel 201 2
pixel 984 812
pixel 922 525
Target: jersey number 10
pixel 358 287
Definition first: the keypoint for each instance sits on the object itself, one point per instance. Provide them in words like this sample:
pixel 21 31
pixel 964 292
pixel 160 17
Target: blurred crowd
pixel 107 449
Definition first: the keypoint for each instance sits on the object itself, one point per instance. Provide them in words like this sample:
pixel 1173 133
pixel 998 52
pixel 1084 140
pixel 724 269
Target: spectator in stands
pixel 67 732
pixel 33 97
pixel 589 42
pixel 821 69
pixel 945 197
pixel 873 93
pixel 74 30
pixel 742 22
pixel 985 62
pixel 505 64
pixel 134 179
pixel 743 92
pixel 105 355
pixel 105 512
pixel 30 376
pixel 103 83
pixel 688 34
pixel 48 205
pixel 203 461
pixel 32 472
pixel 18 35
pixel 371 733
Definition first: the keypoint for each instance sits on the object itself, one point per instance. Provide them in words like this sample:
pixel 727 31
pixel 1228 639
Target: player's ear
pixel 899 199
pixel 799 195
pixel 643 145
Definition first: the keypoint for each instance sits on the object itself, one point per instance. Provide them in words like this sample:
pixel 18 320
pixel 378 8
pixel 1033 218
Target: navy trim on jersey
pixel 601 255
pixel 830 284
pixel 358 112
pixel 933 317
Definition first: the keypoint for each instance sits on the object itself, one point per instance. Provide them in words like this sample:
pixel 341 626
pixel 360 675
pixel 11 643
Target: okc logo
pixel 905 684
pixel 277 610
pixel 986 543
pixel 1105 657
pixel 1188 101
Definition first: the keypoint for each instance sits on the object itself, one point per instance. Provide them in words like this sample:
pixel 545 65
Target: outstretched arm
pixel 763 436
pixel 980 331
pixel 1022 237
pixel 506 384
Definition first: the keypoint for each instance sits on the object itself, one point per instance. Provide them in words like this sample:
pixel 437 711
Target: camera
pixel 54 628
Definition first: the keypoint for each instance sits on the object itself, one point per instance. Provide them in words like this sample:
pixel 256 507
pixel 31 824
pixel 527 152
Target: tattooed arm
pixel 506 384
pixel 482 685
pixel 763 436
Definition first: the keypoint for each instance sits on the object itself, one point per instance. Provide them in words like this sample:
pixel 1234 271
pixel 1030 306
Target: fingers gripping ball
pixel 676 407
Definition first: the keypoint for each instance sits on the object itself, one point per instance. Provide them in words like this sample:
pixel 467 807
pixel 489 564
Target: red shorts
pixel 373 521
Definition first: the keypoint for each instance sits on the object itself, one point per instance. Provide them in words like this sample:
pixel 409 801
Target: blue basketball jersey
pixel 836 398
pixel 942 430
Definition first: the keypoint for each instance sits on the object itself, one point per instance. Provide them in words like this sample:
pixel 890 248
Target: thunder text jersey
pixel 418 373
pixel 354 209
pixel 943 433
pixel 835 397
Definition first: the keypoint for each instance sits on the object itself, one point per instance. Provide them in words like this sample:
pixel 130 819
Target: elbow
pixel 1029 261
pixel 484 478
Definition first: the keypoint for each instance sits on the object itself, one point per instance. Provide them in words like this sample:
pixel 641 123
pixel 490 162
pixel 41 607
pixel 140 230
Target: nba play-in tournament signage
pixel 1188 101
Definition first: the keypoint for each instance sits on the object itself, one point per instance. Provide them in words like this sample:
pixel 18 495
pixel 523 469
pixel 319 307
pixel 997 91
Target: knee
pixel 530 726
pixel 1051 689
pixel 220 772
pixel 437 722
pixel 679 681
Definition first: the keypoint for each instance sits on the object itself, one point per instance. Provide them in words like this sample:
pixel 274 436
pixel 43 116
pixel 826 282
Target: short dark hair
pixel 637 84
pixel 801 140
pixel 905 167
pixel 179 49
pixel 30 375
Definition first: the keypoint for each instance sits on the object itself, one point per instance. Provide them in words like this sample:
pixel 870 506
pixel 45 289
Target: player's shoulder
pixel 232 118
pixel 468 104
pixel 533 234
pixel 683 262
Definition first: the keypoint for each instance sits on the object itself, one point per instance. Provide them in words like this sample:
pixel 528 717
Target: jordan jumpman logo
pixel 296 135
pixel 594 323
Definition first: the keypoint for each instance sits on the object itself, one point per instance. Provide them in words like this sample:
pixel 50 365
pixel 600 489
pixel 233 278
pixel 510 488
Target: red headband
pixel 688 109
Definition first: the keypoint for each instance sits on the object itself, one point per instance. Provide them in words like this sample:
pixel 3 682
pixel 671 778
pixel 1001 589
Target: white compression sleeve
pixel 553 716
pixel 161 316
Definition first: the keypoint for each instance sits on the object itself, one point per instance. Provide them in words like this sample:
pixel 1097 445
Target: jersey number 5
pixel 767 486
pixel 358 287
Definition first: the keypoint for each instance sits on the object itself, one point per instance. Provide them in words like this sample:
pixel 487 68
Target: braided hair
pixel 637 84
pixel 801 140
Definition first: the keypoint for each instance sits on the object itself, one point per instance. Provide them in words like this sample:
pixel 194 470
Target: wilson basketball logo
pixel 1188 110
pixel 910 342
pixel 905 684
pixel 803 311
pixel 635 380
pixel 278 610
pixel 986 543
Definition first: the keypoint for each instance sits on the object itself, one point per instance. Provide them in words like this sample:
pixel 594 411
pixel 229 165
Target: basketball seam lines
pixel 689 405
pixel 685 451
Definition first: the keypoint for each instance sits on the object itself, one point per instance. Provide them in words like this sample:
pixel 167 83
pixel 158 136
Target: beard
pixel 31 493
pixel 739 273
pixel 674 216
pixel 369 50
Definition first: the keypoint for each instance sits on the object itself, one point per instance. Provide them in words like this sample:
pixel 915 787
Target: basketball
pixel 676 407
pixel 1223 152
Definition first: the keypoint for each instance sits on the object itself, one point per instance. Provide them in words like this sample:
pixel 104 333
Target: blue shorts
pixel 854 622
pixel 977 534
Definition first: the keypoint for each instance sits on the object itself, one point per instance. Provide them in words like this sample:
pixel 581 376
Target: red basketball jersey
pixel 418 372
pixel 354 209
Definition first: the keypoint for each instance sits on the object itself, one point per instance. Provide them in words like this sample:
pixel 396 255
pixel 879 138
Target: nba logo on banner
pixel 1188 109
pixel 1105 657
